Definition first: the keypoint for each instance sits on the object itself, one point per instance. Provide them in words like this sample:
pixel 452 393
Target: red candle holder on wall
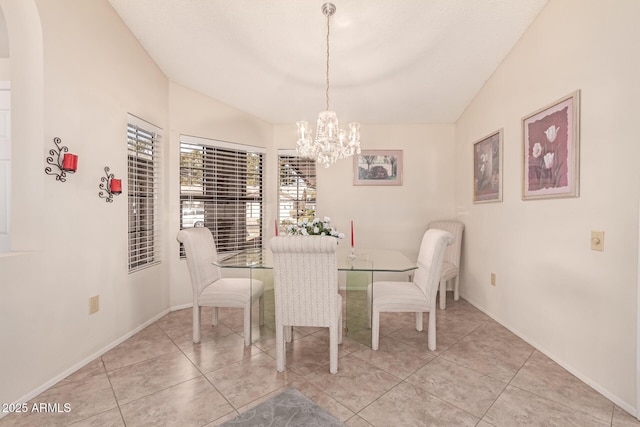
pixel 65 163
pixel 110 186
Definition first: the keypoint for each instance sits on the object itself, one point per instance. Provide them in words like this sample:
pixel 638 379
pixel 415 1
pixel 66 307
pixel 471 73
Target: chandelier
pixel 330 143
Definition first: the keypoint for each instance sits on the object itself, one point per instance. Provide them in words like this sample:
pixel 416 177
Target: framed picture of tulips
pixel 551 138
pixel 487 169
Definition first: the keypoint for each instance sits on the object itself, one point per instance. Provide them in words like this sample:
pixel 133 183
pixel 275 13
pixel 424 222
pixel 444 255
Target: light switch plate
pixel 597 240
pixel 94 304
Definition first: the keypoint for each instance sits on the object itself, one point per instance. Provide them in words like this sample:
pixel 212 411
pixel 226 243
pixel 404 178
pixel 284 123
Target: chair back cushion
pixel 200 249
pixel 305 279
pixel 430 259
pixel 456 228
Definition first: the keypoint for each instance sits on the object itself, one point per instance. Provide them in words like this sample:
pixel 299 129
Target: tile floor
pixel 481 375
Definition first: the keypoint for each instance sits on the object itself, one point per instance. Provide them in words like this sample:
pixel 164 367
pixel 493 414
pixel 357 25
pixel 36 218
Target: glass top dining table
pixel 359 269
pixel 376 260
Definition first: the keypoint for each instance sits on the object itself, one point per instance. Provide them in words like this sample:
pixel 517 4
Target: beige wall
pixel 391 217
pixel 576 305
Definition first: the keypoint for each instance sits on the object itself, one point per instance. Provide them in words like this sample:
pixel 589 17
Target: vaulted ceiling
pixel 391 61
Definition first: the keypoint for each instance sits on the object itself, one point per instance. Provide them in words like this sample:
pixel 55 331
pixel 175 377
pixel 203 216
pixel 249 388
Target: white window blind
pixel 296 187
pixel 221 188
pixel 143 142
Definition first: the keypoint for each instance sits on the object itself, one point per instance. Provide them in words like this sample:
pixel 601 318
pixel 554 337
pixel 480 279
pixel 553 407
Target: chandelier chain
pixel 328 32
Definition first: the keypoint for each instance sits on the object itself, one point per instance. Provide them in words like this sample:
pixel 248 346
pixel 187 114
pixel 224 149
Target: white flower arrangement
pixel 314 227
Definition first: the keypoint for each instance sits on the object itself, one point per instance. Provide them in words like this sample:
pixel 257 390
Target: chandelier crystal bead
pixel 330 143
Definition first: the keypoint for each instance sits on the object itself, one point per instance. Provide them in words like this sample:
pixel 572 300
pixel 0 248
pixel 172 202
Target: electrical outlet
pixel 493 279
pixel 94 304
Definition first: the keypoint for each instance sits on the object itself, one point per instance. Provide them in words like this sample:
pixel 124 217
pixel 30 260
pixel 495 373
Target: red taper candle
pixel 353 243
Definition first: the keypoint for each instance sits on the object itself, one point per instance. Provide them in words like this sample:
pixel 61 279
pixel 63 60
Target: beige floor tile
pixel 180 318
pixel 192 403
pixel 460 386
pixel 110 418
pixel 149 343
pixel 622 418
pixel 182 334
pixel 249 379
pixel 348 345
pixel 419 340
pixel 499 363
pixel 356 384
pixel 453 326
pixel 325 401
pixel 462 309
pixel 357 421
pixel 493 334
pixel 91 369
pixel 398 408
pixel 144 378
pixel 84 398
pixel 220 352
pixel 395 357
pixel 305 355
pixel 542 376
pixel 517 407
pixel 159 372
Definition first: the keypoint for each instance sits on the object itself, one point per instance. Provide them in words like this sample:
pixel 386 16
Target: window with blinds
pixel 296 187
pixel 143 142
pixel 221 188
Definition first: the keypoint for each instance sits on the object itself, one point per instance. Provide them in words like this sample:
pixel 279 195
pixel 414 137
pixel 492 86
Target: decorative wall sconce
pixel 64 163
pixel 110 185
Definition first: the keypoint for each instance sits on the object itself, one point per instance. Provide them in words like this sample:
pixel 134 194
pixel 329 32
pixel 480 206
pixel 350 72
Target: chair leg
pixel 214 316
pixel 456 290
pixel 247 324
pixel 369 299
pixel 419 321
pixel 261 309
pixel 340 327
pixel 288 333
pixel 443 294
pixel 431 338
pixel 333 348
pixel 280 347
pixel 196 322
pixel 375 329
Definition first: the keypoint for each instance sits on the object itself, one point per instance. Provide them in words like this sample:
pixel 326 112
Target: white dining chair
pixel 450 276
pixel 418 296
pixel 210 289
pixel 305 287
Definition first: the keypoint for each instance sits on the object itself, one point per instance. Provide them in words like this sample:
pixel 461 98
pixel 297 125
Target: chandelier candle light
pixel 331 143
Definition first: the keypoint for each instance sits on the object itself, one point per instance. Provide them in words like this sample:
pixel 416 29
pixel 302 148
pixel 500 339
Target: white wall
pixel 393 217
pixel 576 305
pixel 74 76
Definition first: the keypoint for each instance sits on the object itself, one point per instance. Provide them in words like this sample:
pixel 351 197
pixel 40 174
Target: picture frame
pixel 377 167
pixel 487 168
pixel 551 147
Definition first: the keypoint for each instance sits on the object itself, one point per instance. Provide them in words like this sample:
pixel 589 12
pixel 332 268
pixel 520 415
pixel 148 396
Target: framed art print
pixel 551 140
pixel 487 169
pixel 377 167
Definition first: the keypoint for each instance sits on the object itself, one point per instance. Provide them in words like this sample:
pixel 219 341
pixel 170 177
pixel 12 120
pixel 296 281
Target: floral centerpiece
pixel 314 227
